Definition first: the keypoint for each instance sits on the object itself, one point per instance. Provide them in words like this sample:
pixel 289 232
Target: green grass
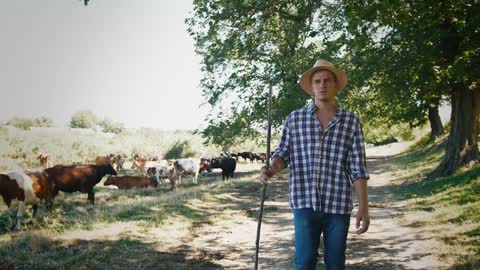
pixel 452 202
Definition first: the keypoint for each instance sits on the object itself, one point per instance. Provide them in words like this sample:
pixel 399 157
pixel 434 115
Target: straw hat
pixel 306 79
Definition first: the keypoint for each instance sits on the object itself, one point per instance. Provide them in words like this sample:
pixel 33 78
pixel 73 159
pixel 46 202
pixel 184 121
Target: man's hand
pixel 278 164
pixel 363 221
pixel 265 175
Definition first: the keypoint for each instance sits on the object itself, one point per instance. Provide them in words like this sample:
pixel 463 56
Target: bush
pixel 181 149
pixel 111 126
pixel 83 119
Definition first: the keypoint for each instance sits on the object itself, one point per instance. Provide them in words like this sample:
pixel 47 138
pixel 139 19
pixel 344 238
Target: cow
pixel 205 165
pixel 78 178
pixel 247 155
pixel 128 182
pixel 138 157
pixel 186 167
pixel 108 159
pixel 144 166
pixel 43 158
pixel 25 188
pixel 153 158
pixel 261 157
pixel 227 164
pixel 119 161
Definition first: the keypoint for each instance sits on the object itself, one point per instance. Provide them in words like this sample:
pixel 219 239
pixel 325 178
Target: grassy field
pixel 19 148
pixel 447 208
pixel 50 242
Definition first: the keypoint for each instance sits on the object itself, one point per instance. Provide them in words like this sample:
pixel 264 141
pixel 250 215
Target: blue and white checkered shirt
pixel 323 163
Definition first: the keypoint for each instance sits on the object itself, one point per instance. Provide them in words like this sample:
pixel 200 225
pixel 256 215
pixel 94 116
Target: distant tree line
pixel 82 119
pixel 27 123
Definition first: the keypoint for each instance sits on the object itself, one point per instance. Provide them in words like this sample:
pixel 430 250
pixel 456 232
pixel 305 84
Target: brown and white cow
pixel 128 182
pixel 186 167
pixel 25 188
pixel 78 178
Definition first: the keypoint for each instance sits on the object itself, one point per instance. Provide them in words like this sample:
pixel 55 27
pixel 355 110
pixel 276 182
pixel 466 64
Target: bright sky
pixel 130 61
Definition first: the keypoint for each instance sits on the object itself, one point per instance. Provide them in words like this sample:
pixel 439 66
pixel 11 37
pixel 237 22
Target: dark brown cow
pixel 79 178
pixel 128 182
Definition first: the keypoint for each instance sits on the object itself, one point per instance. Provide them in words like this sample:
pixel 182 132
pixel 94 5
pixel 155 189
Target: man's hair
pixel 323 69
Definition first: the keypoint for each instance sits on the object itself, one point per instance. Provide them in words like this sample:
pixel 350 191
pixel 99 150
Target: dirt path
pixel 390 243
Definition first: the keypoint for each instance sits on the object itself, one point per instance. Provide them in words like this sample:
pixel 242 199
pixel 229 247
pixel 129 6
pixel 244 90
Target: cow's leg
pixel 35 209
pixel 159 180
pixel 21 209
pixel 9 215
pixel 91 197
pixel 195 177
pixel 172 184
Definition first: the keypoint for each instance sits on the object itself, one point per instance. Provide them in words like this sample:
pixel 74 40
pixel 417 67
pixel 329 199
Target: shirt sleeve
pixel 283 148
pixel 356 157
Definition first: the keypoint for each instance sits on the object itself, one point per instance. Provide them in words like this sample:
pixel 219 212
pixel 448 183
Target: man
pixel 323 145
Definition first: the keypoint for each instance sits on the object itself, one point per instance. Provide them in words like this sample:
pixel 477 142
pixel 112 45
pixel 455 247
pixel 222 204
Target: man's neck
pixel 325 106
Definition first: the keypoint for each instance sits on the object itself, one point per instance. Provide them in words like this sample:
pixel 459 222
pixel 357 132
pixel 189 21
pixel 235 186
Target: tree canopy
pixel 403 58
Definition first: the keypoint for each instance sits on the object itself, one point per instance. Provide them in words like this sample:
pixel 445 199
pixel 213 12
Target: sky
pixel 130 61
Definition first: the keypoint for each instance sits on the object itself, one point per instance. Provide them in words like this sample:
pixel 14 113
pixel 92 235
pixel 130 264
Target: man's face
pixel 324 85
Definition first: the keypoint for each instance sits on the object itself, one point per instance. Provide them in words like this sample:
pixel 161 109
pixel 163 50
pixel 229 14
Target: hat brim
pixel 306 79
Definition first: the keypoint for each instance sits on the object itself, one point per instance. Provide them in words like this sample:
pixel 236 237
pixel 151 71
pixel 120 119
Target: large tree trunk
pixel 435 123
pixel 462 147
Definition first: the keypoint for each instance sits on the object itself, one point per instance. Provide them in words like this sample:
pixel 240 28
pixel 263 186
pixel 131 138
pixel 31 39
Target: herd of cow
pixel 31 187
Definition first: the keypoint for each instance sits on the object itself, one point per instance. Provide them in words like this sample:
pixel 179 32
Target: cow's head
pixel 110 169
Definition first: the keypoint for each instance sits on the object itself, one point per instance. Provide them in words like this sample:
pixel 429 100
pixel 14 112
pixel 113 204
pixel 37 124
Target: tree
pixel 83 119
pixel 426 50
pixel 244 46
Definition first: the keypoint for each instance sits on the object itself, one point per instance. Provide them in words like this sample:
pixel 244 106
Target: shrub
pixel 111 126
pixel 181 149
pixel 83 119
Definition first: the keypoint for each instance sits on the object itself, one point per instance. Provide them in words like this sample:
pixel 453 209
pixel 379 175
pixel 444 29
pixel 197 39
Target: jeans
pixel 309 225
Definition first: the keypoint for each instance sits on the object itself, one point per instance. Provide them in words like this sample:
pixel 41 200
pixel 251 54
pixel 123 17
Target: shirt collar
pixel 338 112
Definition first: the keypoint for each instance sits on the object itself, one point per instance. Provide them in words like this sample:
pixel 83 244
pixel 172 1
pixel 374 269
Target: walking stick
pixel 269 135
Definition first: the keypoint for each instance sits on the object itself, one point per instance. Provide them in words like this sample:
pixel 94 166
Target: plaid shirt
pixel 323 163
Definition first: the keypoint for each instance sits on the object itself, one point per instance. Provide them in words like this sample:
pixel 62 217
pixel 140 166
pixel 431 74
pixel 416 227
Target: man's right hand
pixel 265 175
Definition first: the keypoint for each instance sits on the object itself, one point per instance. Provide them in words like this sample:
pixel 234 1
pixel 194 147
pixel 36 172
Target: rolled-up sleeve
pixel 356 159
pixel 283 147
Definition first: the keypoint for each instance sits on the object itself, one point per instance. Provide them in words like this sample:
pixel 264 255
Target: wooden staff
pixel 269 135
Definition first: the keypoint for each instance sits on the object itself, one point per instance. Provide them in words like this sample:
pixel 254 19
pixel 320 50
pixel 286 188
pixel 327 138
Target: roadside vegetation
pixel 446 208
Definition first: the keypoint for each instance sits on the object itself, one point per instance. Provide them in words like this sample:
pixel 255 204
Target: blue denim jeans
pixel 309 225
